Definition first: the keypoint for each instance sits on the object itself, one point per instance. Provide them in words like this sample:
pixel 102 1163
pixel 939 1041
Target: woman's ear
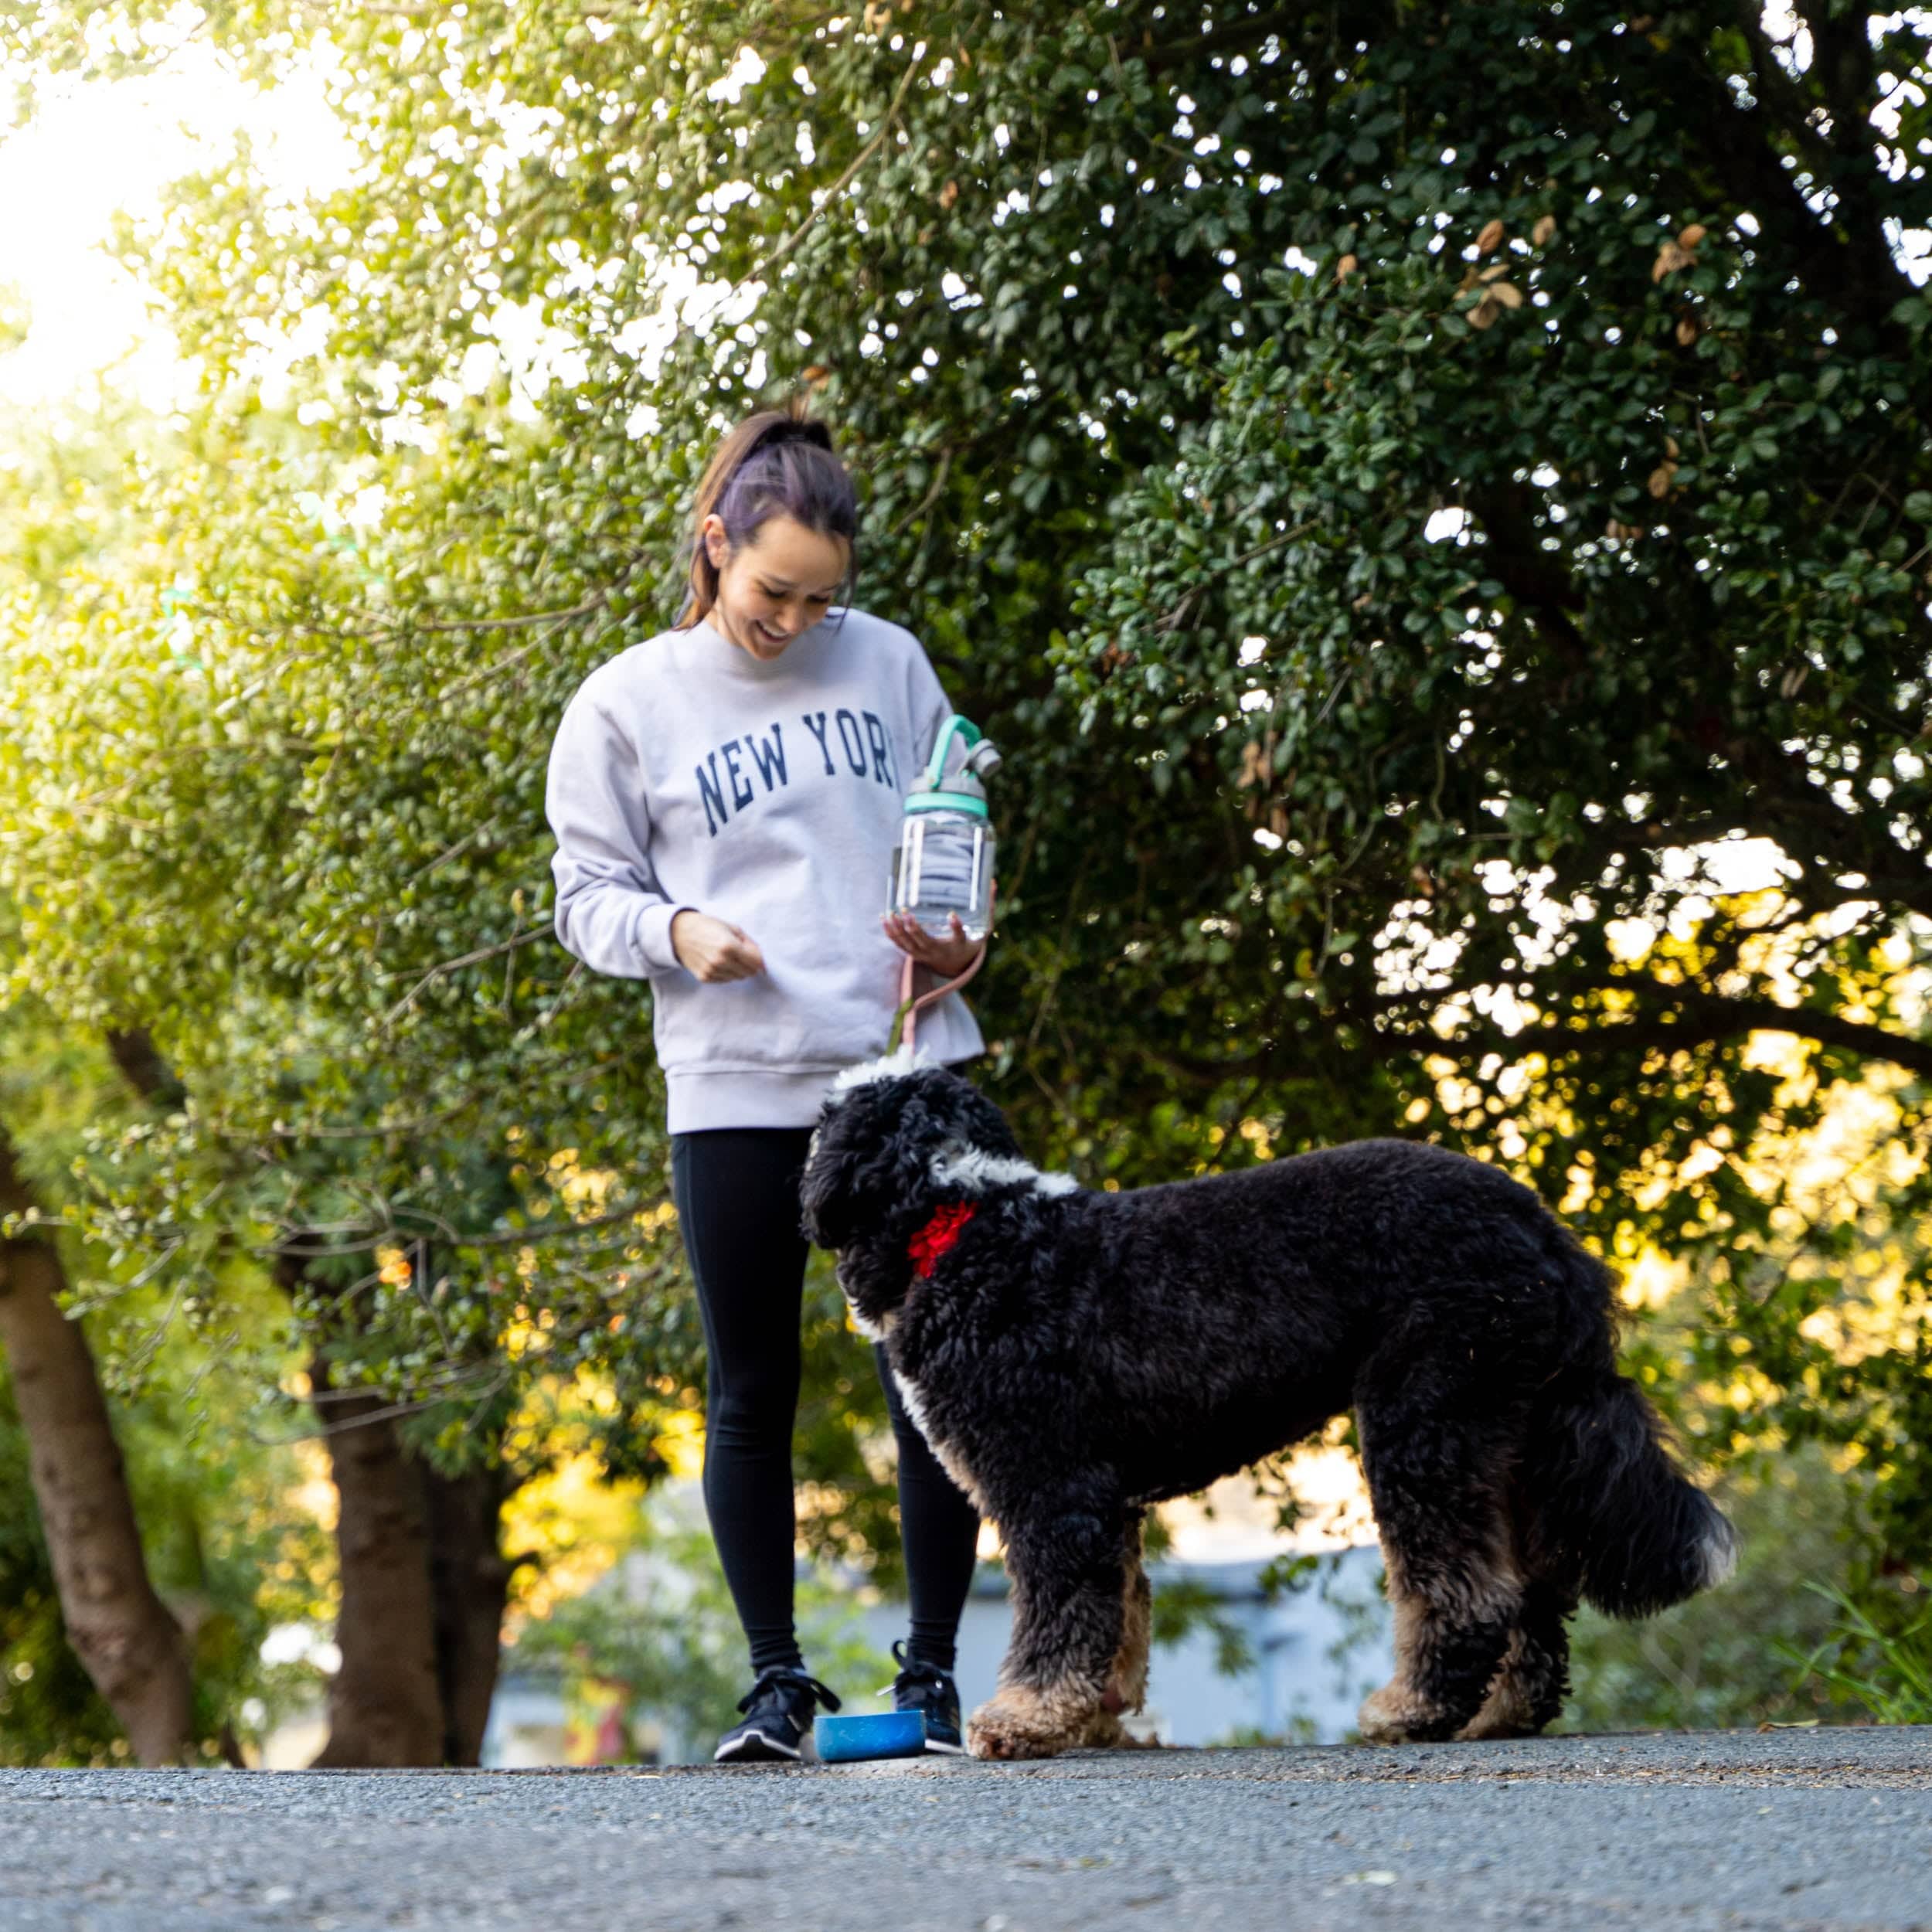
pixel 716 545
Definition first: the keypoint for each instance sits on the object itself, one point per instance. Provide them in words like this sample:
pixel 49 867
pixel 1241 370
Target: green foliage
pixel 229 1555
pixel 1182 1605
pixel 842 1443
pixel 1887 1672
pixel 1297 1731
pixel 185 1363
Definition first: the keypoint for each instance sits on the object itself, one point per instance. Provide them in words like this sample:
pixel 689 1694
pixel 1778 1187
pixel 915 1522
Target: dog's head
pixel 886 1135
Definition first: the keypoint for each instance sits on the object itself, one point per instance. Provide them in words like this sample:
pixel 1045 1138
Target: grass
pixel 1889 1672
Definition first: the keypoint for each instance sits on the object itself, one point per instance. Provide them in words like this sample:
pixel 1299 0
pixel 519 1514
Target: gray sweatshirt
pixel 685 773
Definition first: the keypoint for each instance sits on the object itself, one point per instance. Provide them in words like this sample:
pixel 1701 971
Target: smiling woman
pixel 682 808
pixel 776 526
pixel 777 611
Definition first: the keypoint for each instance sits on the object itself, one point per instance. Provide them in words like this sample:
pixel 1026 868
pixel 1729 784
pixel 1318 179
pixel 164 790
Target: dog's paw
pixel 1007 1729
pixel 1106 1732
pixel 1505 1712
pixel 1487 1724
pixel 1392 1716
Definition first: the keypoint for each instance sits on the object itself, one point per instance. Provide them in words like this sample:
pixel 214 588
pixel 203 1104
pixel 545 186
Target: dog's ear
pixel 866 1157
pixel 872 1152
pixel 833 1176
pixel 978 1122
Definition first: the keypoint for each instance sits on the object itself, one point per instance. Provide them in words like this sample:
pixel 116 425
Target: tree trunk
pixel 119 1628
pixel 385 1705
pixel 469 1580
pixel 140 1063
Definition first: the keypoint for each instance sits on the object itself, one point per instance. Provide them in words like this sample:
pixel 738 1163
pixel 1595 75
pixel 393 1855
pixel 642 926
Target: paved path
pixel 1737 1831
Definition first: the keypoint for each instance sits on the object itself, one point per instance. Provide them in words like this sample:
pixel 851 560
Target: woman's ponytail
pixel 777 463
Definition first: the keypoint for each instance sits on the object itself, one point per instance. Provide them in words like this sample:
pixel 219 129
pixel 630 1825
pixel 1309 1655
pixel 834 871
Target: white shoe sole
pixel 759 1751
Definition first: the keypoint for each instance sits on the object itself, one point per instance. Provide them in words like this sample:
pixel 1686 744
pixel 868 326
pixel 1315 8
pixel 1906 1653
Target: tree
pixel 128 1643
pixel 213 1174
pixel 122 1634
pixel 1495 779
pixel 146 1546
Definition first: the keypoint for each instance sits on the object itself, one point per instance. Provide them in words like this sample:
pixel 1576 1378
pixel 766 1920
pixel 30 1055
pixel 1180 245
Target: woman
pixel 726 798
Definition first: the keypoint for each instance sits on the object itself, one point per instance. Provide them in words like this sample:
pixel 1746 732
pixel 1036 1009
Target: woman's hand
pixel 947 958
pixel 714 949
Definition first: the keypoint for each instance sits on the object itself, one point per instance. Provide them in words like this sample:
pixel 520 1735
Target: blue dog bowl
pixel 846 1740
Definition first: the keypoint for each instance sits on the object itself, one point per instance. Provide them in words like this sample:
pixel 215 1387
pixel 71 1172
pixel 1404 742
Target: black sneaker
pixel 927 1688
pixel 778 1711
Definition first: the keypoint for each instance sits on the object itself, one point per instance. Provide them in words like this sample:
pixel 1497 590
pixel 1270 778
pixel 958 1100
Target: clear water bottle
pixel 944 862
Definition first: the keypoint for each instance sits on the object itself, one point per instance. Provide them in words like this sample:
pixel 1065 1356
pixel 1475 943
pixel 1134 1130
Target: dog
pixel 1074 1356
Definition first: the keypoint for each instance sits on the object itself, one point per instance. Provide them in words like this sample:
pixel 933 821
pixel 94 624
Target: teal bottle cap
pixel 964 801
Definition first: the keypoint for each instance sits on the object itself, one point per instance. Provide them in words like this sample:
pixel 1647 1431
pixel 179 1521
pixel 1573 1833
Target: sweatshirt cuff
pixel 654 937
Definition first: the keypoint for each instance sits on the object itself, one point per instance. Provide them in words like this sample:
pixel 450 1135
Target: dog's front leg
pixel 1068 1562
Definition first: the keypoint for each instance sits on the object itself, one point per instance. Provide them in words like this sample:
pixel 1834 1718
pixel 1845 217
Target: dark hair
pixel 777 463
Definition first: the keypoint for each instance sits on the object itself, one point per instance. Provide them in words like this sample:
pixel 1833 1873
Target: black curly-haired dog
pixel 1073 1356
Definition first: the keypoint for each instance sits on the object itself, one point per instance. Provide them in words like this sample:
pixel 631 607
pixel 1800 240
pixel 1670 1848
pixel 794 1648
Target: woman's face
pixel 781 581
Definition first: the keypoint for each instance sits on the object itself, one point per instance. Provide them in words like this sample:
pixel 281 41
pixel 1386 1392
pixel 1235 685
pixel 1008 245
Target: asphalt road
pixel 1742 1832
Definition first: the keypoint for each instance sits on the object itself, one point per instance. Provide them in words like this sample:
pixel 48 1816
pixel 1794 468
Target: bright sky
pixel 94 149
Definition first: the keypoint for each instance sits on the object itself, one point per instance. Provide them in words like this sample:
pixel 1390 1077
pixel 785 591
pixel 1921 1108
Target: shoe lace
pixel 928 1683
pixel 779 1683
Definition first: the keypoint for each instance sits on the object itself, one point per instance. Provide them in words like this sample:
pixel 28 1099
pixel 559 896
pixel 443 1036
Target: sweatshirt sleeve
pixel 611 911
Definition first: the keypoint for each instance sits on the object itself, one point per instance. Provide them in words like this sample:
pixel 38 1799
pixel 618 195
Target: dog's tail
pixel 1609 1509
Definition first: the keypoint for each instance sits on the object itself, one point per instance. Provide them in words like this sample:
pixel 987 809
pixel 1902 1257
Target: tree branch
pixel 1536 583
pixel 144 1069
pixel 466 959
pixel 1693 1017
pixel 831 194
pixel 1237 36
pixel 1740 149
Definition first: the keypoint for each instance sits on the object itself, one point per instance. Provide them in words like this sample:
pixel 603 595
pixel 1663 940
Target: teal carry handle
pixel 954 726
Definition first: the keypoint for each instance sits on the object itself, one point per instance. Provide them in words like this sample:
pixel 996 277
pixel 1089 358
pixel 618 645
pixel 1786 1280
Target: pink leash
pixel 907 1019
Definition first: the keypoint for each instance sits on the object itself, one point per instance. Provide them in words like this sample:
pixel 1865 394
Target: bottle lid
pixel 962 792
pixel 966 801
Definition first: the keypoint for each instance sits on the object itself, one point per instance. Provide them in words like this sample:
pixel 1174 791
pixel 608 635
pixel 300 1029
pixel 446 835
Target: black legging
pixel 736 1189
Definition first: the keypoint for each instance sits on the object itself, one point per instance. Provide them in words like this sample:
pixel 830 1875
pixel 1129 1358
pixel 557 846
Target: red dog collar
pixel 937 1237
